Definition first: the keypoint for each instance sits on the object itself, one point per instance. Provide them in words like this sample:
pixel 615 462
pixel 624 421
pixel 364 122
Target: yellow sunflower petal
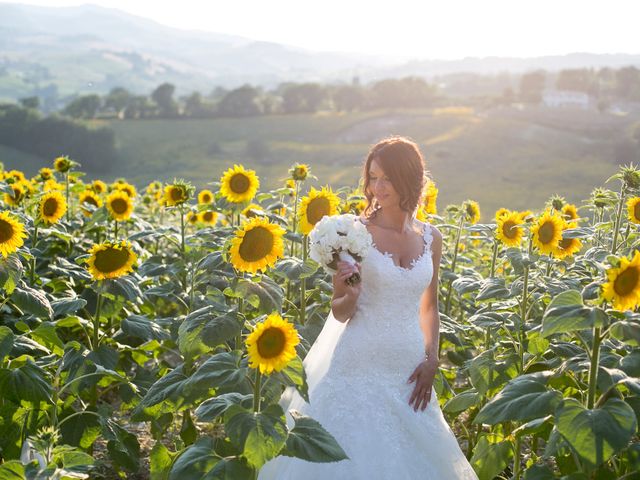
pixel 111 260
pixel 623 286
pixel 317 204
pixel 239 185
pixel 272 345
pixel 52 206
pixel 11 234
pixel 256 246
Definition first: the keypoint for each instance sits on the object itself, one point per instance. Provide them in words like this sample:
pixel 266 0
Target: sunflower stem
pixel 295 216
pixel 34 239
pixel 66 175
pixel 303 282
pixel 523 311
pixel 516 459
pixel 96 321
pixel 593 368
pixel 453 264
pixel 614 244
pixel 115 233
pixel 256 391
pixel 494 257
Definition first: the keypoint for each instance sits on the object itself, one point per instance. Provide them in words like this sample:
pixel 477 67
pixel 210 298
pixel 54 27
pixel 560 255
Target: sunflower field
pixel 186 313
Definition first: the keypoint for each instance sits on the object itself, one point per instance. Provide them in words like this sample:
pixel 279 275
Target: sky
pixel 443 29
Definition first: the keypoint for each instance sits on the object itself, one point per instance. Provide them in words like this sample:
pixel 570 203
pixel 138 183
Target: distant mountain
pixel 56 52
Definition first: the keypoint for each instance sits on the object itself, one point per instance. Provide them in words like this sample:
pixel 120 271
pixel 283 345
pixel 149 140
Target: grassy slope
pixel 500 158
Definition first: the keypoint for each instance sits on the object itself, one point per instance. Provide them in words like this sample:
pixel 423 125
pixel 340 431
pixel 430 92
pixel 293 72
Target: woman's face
pixel 381 187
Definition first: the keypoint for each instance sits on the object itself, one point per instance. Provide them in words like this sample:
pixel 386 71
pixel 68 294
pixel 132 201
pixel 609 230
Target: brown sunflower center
pixel 546 232
pixel 50 207
pixel 566 243
pixel 6 231
pixel 90 200
pixel 206 198
pixel 256 244
pixel 509 229
pixel 111 259
pixel 318 208
pixel 636 211
pixel 207 216
pixel 239 183
pixel 271 343
pixel 119 205
pixel 176 194
pixel 627 281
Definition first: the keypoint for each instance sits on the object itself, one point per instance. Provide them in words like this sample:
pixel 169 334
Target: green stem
pixel 182 249
pixel 523 311
pixel 593 368
pixel 96 322
pixel 34 239
pixel 303 283
pixel 295 217
pixel 494 257
pixel 115 234
pixel 453 264
pixel 516 459
pixel 256 391
pixel 67 191
pixel 614 245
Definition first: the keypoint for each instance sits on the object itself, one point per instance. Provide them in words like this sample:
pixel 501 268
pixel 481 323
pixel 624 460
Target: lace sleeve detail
pixel 428 236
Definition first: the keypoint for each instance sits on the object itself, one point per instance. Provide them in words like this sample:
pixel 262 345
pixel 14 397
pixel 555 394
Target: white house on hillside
pixel 565 98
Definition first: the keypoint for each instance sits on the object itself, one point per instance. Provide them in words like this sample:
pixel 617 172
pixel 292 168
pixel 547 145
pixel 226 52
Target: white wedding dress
pixel 357 374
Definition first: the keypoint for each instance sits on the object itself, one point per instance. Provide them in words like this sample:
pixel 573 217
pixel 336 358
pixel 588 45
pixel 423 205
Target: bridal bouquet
pixel 340 237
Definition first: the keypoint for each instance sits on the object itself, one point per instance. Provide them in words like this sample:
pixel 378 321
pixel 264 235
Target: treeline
pixel 25 129
pixel 249 100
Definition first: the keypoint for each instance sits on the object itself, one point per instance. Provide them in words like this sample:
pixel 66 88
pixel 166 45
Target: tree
pixel 303 98
pixel 241 102
pixel 408 92
pixel 163 97
pixel 531 86
pixel 349 98
pixel 628 83
pixel 85 107
pixel 579 80
pixel 118 100
pixel 30 102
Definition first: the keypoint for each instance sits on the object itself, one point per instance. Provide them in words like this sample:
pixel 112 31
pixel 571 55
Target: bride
pixel 371 370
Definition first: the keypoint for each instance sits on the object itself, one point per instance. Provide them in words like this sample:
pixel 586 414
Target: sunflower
pixel 238 185
pixel 45 173
pixel 209 217
pixel 633 208
pixel 111 259
pixel 527 216
pixel 52 206
pixel 421 213
pixel 290 184
pixel 98 186
pixel 623 287
pixel 272 345
pixel 153 188
pixel 62 164
pixel 252 210
pixel 126 188
pixel 192 217
pixel 16 175
pixel 501 212
pixel 51 184
pixel 316 205
pixel 570 214
pixel 567 247
pixel 471 210
pixel 89 197
pixel 256 246
pixel 547 232
pixel 119 205
pixel 205 197
pixel 175 194
pixel 509 231
pixel 299 172
pixel 11 234
pixel 430 198
pixel 19 192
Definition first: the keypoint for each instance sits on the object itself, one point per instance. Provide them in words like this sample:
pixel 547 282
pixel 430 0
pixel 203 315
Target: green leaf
pixel 67 306
pixel 220 370
pixel 489 459
pixel 310 441
pixel 123 447
pixel 294 375
pixel 140 326
pixel 47 336
pixel 492 289
pixel 538 472
pixel 27 383
pixel 488 373
pixel 212 408
pixel 32 301
pixel 196 462
pixel 596 435
pixel 462 401
pixel 523 398
pixel 627 332
pixel 6 341
pixel 168 387
pixel 160 461
pixel 468 284
pixel 205 328
pixel 11 271
pixel 269 293
pixel 12 470
pixel 294 269
pixel 260 435
pixel 81 429
pixel 567 313
pixel 124 287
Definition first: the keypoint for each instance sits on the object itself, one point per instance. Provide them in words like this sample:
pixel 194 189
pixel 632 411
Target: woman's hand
pixel 423 375
pixel 345 270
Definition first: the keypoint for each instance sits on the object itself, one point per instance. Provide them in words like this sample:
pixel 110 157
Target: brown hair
pixel 402 162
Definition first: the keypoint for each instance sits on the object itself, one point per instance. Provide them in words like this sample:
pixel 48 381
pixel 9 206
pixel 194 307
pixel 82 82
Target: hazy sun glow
pixel 408 28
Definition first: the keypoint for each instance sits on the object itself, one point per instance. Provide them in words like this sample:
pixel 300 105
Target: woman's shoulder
pixel 430 229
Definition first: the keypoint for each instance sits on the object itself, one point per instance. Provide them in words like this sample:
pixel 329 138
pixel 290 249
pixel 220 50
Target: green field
pixel 499 157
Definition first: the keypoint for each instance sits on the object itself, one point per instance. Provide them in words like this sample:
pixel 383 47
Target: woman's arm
pixel 429 314
pixel 426 370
